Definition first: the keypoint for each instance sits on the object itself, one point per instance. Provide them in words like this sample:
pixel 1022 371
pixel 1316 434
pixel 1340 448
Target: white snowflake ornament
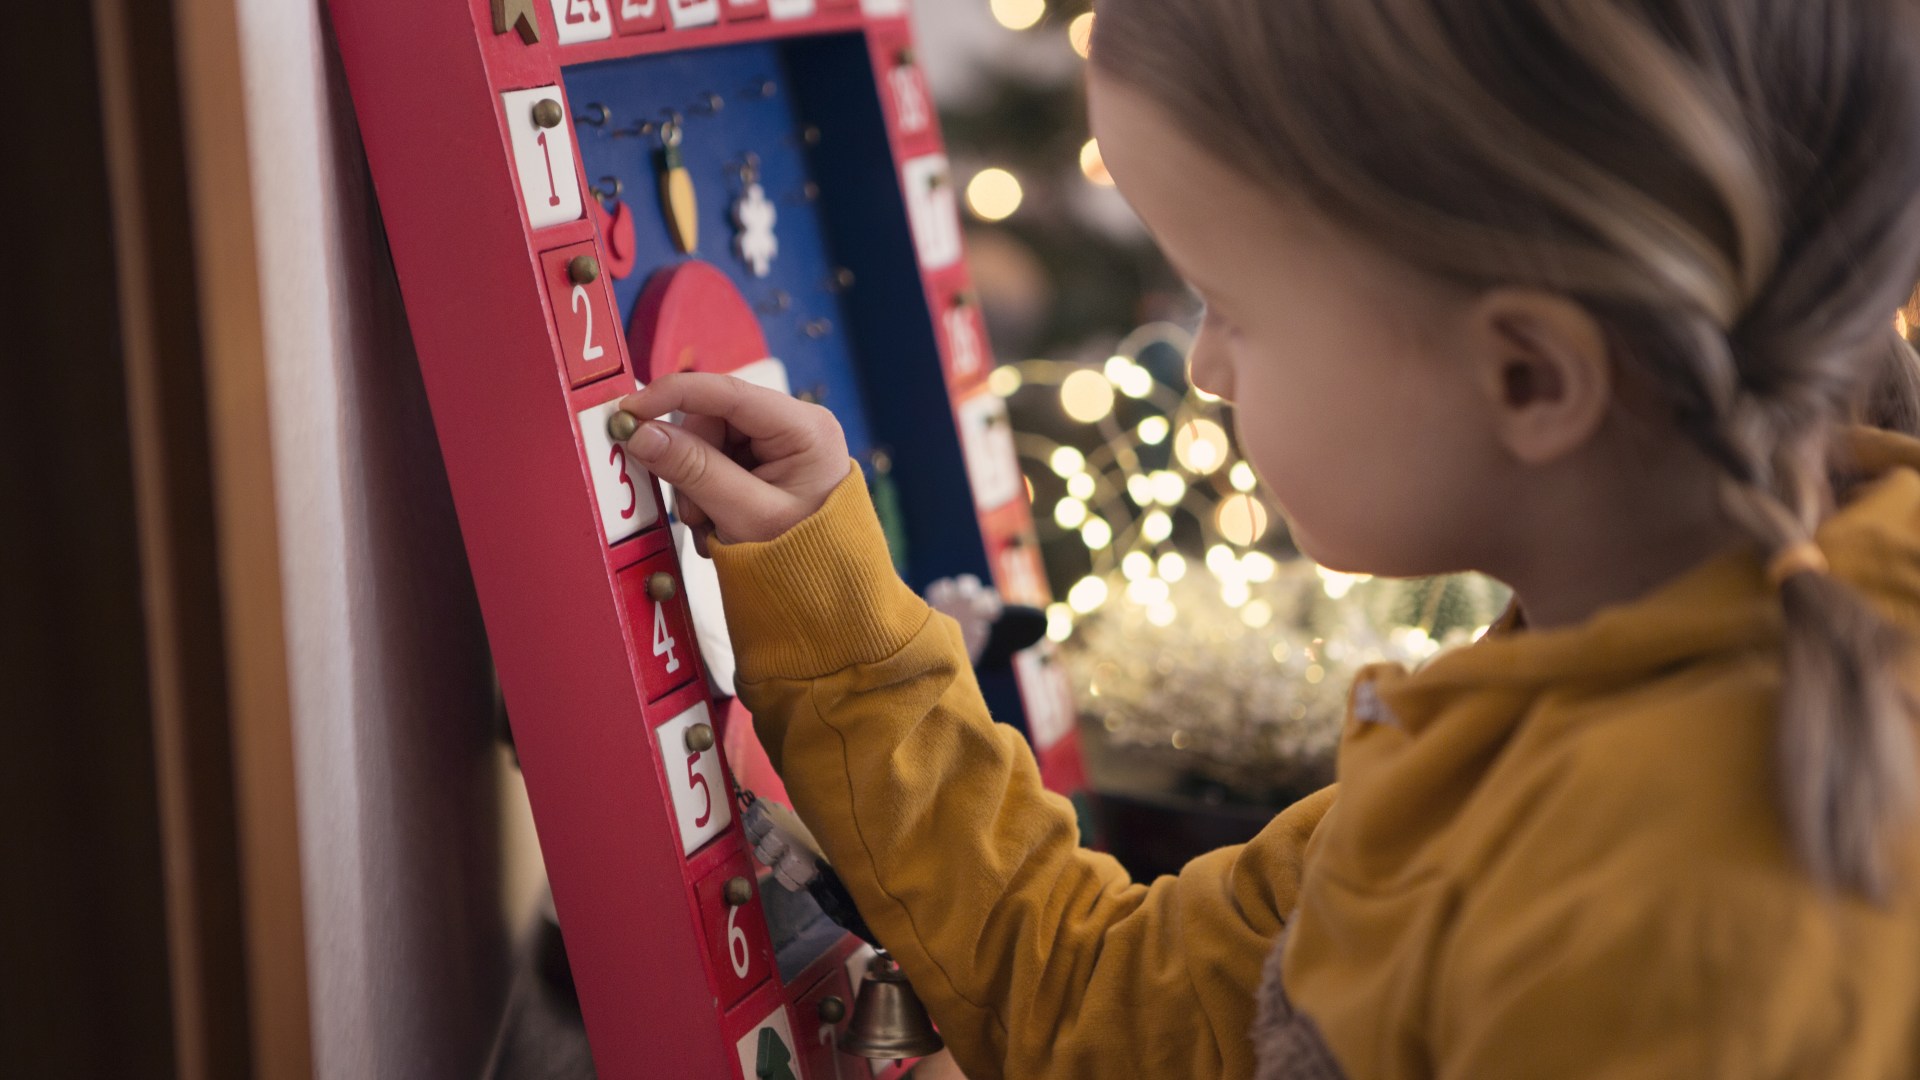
pixel 756 244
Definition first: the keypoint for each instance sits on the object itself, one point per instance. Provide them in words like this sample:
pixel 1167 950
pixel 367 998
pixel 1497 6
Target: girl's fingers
pixel 754 411
pixel 740 505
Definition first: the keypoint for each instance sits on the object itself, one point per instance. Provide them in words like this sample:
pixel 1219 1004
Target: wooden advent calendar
pixel 581 195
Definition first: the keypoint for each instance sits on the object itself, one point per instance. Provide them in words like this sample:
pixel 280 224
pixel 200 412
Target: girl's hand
pixel 746 463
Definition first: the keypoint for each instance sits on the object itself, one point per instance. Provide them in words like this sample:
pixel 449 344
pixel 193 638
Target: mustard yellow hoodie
pixel 1551 854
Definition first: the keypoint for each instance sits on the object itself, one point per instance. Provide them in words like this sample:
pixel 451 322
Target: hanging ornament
pixel 611 213
pixel 677 197
pixel 754 216
pixel 886 506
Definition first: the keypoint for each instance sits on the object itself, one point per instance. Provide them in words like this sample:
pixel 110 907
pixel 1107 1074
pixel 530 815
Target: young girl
pixel 1593 296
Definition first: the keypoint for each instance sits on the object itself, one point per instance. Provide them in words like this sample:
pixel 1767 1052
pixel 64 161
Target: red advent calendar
pixel 582 196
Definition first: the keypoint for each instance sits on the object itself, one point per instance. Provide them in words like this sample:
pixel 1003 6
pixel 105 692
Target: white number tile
pixel 884 8
pixel 582 20
pixel 622 489
pixel 750 1045
pixel 688 13
pixel 701 802
pixel 934 209
pixel 1048 697
pixel 543 158
pixel 790 9
pixel 986 435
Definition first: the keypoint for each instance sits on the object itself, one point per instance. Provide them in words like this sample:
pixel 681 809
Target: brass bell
pixel 888 1020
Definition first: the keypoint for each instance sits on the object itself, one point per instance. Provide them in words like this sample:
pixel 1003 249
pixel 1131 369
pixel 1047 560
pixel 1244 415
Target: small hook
pixel 709 104
pixel 606 193
pixel 597 114
pixel 778 302
pixel 762 88
pixel 747 168
pixel 808 193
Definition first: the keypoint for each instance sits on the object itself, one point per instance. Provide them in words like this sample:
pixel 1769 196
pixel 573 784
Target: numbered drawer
pixel 963 336
pixel 628 499
pixel 1020 573
pixel 736 927
pixel 582 20
pixel 696 776
pixel 741 10
pixel 1047 695
pixel 687 14
pixel 986 437
pixel 791 9
pixel 905 95
pixel 541 131
pixel 639 16
pixel 582 313
pixel 933 210
pixel 820 1018
pixel 654 597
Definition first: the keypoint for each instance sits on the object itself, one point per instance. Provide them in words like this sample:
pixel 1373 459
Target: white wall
pixel 399 791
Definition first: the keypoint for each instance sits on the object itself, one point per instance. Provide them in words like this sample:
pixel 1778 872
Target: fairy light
pixel 1173 566
pixel 1082 485
pixel 1156 526
pixel 1257 614
pixel 1204 396
pixel 1088 595
pixel 994 194
pixel 1068 461
pixel 1259 567
pixel 1137 565
pixel 1096 534
pixel 1080 34
pixel 1241 519
pixel 1235 593
pixel 1059 622
pixel 1087 396
pixel 1336 584
pixel 1168 487
pixel 1140 489
pixel 1223 562
pixel 1005 380
pixel 1093 166
pixel 1153 430
pixel 1201 446
pixel 1241 477
pixel 1070 513
pixel 1018 14
pixel 1149 591
pixel 1162 615
pixel 1116 368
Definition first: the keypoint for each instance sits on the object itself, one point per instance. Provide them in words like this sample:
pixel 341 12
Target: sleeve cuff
pixel 820 598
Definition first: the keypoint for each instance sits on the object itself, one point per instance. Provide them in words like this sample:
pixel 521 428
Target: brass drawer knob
pixel 661 587
pixel 738 892
pixel 700 738
pixel 547 113
pixel 621 426
pixel 832 1010
pixel 583 269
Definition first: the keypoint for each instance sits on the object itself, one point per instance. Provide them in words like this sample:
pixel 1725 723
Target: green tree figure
pixel 775 1061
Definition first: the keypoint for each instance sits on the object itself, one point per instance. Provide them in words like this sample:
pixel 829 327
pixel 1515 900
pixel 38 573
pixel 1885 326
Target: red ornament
pixel 616 226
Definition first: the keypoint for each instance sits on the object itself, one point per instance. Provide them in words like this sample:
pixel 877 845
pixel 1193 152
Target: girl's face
pixel 1377 449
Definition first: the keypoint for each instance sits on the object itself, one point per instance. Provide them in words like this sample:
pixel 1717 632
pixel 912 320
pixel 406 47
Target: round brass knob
pixel 832 1010
pixel 547 113
pixel 621 426
pixel 583 269
pixel 661 587
pixel 700 738
pixel 738 892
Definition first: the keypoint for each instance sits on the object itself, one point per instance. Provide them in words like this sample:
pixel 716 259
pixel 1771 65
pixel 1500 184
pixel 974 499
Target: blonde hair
pixel 1733 189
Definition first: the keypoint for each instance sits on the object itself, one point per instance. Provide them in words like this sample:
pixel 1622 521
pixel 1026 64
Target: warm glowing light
pixel 1168 488
pixel 1156 527
pixel 1137 565
pixel 1028 480
pixel 1005 380
pixel 1096 534
pixel 1116 368
pixel 1315 673
pixel 1241 519
pixel 1080 34
pixel 1163 614
pixel 1059 622
pixel 1242 478
pixel 1148 591
pixel 1018 14
pixel 1070 513
pixel 1257 614
pixel 1068 461
pixel 1259 567
pixel 1337 584
pixel 1087 396
pixel 1093 166
pixel 1140 489
pixel 1154 429
pixel 1414 641
pixel 1235 593
pixel 1204 396
pixel 1201 446
pixel 1222 561
pixel 1087 595
pixel 994 194
pixel 1172 566
pixel 1082 485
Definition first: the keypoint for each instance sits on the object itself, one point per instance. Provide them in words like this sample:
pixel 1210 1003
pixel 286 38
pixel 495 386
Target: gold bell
pixel 888 1020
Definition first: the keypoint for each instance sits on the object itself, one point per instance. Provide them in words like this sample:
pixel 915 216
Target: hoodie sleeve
pixel 1034 955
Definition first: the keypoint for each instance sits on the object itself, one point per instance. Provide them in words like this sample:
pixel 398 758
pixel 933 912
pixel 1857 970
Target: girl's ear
pixel 1544 364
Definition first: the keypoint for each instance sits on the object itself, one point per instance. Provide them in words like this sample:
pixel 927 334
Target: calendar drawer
pixel 736 926
pixel 653 596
